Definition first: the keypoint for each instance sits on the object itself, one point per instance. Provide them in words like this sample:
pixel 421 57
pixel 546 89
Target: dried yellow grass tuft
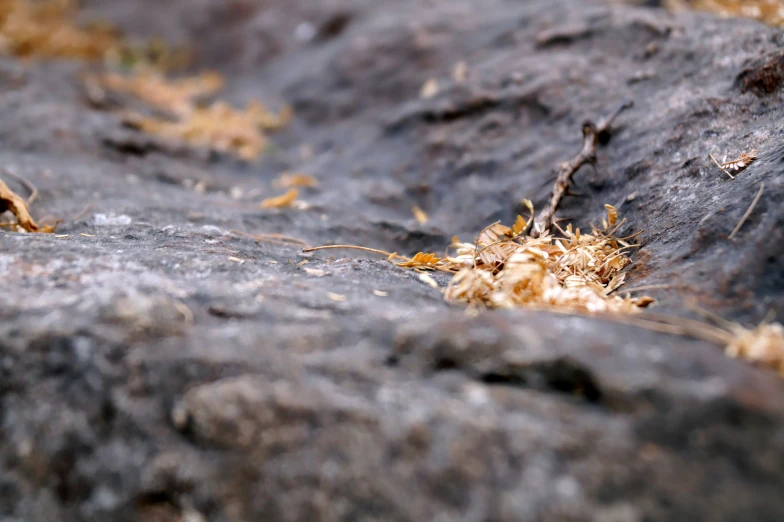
pixel 768 11
pixel 218 127
pixel 46 29
pixel 505 268
pixel 764 345
pixel 175 96
pixel 574 271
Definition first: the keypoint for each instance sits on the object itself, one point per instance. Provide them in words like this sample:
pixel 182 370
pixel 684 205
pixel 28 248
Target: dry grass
pixel 46 29
pixel 505 268
pixel 570 270
pixel 218 127
pixel 767 11
pixel 763 345
pixel 175 96
pixel 42 29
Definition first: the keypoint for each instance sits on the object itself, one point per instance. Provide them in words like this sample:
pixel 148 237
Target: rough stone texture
pixel 144 375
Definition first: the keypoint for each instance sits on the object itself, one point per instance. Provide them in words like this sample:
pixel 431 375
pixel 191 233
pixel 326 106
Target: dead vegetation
pixel 283 201
pixel 762 345
pixel 768 11
pixel 177 97
pixel 296 179
pixel 217 127
pixel 526 265
pixel 592 134
pixel 14 203
pixel 736 165
pixel 567 271
pixel 183 116
pixel 45 29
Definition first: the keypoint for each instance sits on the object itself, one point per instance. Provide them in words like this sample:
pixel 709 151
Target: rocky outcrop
pixel 156 366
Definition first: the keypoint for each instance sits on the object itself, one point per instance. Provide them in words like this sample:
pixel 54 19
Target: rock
pixel 162 367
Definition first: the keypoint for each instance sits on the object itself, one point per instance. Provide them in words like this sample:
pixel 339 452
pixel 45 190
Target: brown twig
pixel 587 155
pixel 27 184
pixel 748 212
pixel 277 239
pixel 82 212
pixel 720 166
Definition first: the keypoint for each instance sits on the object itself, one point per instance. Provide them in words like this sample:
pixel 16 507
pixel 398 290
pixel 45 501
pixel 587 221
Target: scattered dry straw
pixel 218 127
pixel 504 268
pixel 767 11
pixel 45 29
pixel 762 345
pixel 176 96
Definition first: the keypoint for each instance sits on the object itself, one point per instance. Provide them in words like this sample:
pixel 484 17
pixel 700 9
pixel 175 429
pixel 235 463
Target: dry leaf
pixel 519 226
pixel 612 215
pixel 421 260
pixel 282 201
pixel 9 200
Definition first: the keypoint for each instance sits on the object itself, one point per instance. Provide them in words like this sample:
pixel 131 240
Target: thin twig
pixel 82 212
pixel 647 287
pixel 748 212
pixel 354 247
pixel 28 185
pixel 565 171
pixel 719 165
pixel 655 322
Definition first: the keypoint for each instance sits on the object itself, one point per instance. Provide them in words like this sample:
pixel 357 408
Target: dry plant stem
pixel 278 239
pixel 82 212
pixel 719 165
pixel 9 200
pixel 28 184
pixel 565 171
pixel 657 323
pixel 748 212
pixel 354 247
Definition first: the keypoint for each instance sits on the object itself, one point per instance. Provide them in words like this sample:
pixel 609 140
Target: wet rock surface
pixel 154 365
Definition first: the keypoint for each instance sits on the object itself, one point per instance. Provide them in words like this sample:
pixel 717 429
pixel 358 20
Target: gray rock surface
pixel 163 368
